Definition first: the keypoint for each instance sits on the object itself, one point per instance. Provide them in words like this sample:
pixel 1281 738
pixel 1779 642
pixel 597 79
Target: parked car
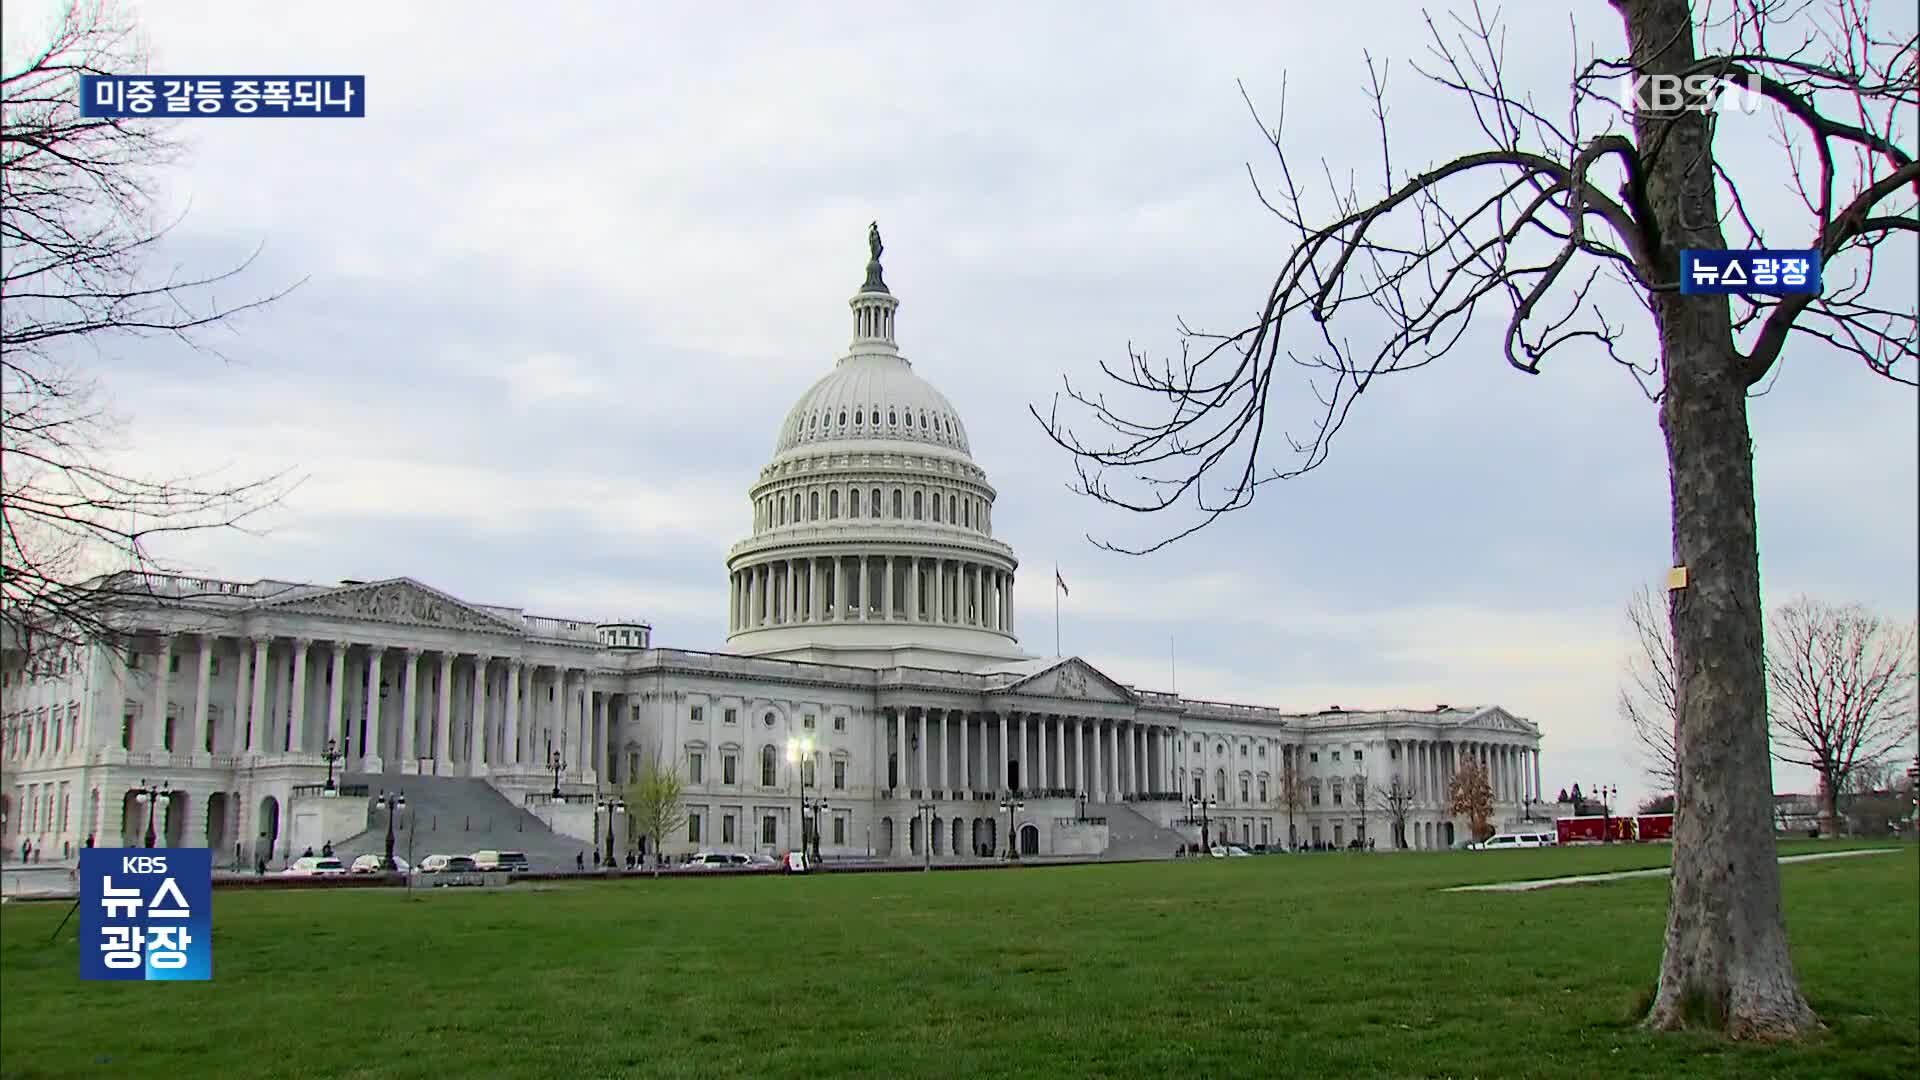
pixel 514 862
pixel 375 864
pixel 316 866
pixel 1235 851
pixel 460 864
pixel 796 862
pixel 719 860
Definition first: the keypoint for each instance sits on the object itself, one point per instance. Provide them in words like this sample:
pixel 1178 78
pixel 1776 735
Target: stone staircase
pixel 457 816
pixel 1131 835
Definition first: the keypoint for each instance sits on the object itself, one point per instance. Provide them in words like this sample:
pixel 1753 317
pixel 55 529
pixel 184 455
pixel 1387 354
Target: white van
pixel 1509 841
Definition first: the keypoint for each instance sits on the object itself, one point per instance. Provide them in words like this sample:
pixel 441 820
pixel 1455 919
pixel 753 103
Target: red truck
pixel 1599 830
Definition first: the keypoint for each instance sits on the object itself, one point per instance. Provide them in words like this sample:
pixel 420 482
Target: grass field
pixel 1324 965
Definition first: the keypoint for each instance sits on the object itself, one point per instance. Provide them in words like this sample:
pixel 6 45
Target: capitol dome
pixel 872 526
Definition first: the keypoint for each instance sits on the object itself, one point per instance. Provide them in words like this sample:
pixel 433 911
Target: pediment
pixel 1072 679
pixel 400 600
pixel 1498 719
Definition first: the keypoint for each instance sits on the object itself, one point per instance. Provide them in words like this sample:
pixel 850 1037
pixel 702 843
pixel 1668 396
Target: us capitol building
pixel 872 656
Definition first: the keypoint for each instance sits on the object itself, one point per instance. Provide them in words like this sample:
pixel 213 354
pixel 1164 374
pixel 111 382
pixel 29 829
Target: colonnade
pixel 379 708
pixel 1430 765
pixel 957 754
pixel 860 588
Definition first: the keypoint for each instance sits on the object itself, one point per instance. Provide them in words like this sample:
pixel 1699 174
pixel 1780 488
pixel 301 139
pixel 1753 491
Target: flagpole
pixel 1056 609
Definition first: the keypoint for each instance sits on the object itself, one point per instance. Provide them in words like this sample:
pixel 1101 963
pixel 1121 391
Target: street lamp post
pixel 557 765
pixel 926 833
pixel 817 809
pixel 1083 806
pixel 149 796
pixel 1201 807
pixel 1012 806
pixel 392 803
pixel 332 755
pixel 610 805
pixel 1606 793
pixel 800 756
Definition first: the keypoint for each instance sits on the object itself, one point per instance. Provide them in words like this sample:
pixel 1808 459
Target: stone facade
pixel 873 668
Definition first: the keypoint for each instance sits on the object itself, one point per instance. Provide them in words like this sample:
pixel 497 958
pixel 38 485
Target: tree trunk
pixel 1829 804
pixel 1726 964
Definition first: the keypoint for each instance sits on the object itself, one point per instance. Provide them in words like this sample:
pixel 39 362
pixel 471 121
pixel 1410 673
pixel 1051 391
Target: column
pixel 1006 769
pixel 202 684
pixel 1079 757
pixel 1116 789
pixel 510 747
pixel 1010 579
pixel 913 589
pixel 443 724
pixel 940 591
pixel 336 696
pixel 477 722
pixel 257 706
pixel 154 734
pixel 1020 751
pixel 966 753
pixel 297 738
pixel 733 602
pixel 980 596
pixel 1059 724
pixel 925 779
pixel 946 758
pixel 373 762
pixel 409 709
pixel 242 694
pixel 1041 781
pixel 897 724
pixel 1536 777
pixel 886 595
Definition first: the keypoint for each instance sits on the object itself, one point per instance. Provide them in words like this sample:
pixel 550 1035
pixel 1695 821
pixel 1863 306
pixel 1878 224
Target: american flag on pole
pixel 1060 581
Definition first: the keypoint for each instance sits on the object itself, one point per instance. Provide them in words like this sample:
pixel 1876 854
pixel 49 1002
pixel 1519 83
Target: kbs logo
pixel 1689 93
pixel 145 916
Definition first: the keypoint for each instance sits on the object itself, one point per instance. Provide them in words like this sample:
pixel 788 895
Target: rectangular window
pixel 693 828
pixel 1315 757
pixel 839 831
pixel 807 722
pixel 769 825
pixel 732 716
pixel 726 829
pixel 839 723
pixel 1337 793
pixel 695 768
pixel 839 776
pixel 1358 754
pixel 173 665
pixel 730 769
pixel 696 714
pixel 1316 796
pixel 1263 791
pixel 1243 789
pixel 1336 755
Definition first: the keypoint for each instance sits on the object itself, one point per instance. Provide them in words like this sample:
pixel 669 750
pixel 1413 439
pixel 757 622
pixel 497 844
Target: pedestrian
pixel 580 861
pixel 326 850
pixel 89 839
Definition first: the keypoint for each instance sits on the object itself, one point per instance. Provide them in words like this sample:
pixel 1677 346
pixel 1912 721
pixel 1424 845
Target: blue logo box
pixel 1757 270
pixel 120 97
pixel 146 913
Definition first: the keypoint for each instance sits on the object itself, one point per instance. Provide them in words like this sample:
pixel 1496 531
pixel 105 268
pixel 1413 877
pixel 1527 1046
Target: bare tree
pixel 1399 803
pixel 656 799
pixel 1648 689
pixel 1554 227
pixel 78 232
pixel 1470 795
pixel 1843 692
pixel 1292 797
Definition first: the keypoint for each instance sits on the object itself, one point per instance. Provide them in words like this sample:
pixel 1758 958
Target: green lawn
pixel 1325 966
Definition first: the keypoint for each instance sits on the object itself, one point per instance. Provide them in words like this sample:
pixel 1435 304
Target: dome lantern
pixel 873 306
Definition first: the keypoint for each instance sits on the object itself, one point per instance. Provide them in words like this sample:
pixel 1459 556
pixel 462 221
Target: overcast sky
pixel 567 276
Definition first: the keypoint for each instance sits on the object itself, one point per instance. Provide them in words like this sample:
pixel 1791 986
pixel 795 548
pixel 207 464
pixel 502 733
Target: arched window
pixel 896 504
pixel 767 778
pixel 843 418
pixel 953 508
pixel 936 506
pixel 833 504
pixel 859 417
pixel 1220 784
pixel 853 503
pixel 875 504
pixel 813 506
pixel 917 516
pixel 893 418
pixel 783 509
pixel 967 516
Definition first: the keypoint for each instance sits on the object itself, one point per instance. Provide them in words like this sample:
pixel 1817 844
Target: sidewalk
pixel 1659 871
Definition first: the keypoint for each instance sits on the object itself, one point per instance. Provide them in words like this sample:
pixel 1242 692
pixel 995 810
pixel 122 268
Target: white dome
pixel 873 396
